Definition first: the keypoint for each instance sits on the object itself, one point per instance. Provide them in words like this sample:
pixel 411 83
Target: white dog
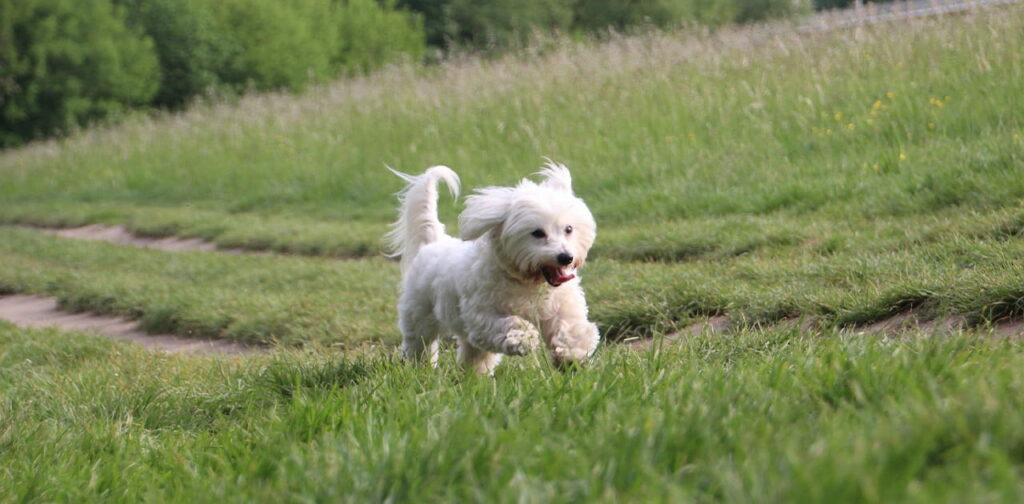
pixel 514 270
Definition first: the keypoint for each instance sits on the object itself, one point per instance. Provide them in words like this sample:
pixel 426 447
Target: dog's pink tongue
pixel 562 277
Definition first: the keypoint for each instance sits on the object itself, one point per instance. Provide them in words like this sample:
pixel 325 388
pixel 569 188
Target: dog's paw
pixel 574 343
pixel 521 338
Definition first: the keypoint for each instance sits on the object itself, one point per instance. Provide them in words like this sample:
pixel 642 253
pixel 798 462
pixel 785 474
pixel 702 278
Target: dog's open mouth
pixel 556 276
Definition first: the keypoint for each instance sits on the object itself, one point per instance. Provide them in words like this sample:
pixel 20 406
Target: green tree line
pixel 67 63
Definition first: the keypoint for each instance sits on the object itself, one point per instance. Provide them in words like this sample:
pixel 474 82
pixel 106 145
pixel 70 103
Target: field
pixel 805 186
pixel 759 416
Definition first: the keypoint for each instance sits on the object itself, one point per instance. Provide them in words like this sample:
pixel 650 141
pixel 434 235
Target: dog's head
pixel 542 231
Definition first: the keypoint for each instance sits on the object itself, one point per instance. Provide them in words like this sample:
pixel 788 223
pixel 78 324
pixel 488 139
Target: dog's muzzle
pixel 556 276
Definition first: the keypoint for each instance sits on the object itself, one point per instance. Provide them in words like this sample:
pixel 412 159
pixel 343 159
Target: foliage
pixel 438 25
pixel 596 15
pixel 504 23
pixel 842 4
pixel 371 35
pixel 273 44
pixel 189 43
pixel 67 63
pixel 500 23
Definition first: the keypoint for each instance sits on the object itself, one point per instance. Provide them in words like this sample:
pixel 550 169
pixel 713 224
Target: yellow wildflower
pixel 903 156
pixel 936 102
pixel 890 95
pixel 839 116
pixel 850 126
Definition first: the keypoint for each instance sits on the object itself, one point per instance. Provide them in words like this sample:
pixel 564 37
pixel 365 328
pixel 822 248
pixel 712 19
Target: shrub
pixel 372 34
pixel 758 10
pixel 273 44
pixel 189 45
pixel 596 15
pixel 438 25
pixel 67 62
pixel 841 4
pixel 503 23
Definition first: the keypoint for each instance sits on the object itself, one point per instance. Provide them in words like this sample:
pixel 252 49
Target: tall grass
pixel 874 121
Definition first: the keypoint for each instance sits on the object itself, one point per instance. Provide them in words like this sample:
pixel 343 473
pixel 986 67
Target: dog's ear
pixel 485 210
pixel 556 176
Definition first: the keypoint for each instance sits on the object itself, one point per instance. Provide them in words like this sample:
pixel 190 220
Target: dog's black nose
pixel 564 258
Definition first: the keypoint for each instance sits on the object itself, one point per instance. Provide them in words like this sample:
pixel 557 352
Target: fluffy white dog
pixel 513 271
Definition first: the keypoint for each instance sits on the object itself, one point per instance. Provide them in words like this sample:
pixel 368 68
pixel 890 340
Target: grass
pixel 843 177
pixel 298 300
pixel 768 174
pixel 767 416
pixel 874 122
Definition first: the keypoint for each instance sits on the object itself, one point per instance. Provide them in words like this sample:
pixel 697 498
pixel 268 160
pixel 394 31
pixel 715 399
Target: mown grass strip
pixel 296 300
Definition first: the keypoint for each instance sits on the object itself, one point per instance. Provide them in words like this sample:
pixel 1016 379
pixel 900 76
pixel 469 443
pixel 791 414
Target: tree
pixel 66 63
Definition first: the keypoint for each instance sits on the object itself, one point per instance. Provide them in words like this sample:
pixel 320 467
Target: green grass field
pixel 770 416
pixel 768 176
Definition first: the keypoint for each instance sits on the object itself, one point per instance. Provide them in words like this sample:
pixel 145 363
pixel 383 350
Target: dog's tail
pixel 417 223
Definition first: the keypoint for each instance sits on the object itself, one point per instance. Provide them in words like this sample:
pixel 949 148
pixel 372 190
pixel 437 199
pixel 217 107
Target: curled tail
pixel 417 223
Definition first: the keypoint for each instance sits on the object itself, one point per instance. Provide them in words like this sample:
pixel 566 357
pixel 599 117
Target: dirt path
pixel 121 236
pixel 39 311
pixel 909 322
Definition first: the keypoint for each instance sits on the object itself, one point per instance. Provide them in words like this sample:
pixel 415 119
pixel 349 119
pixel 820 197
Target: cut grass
pixel 297 300
pixel 252 299
pixel 765 416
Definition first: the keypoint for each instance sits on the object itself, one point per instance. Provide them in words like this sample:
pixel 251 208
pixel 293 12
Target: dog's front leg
pixel 510 335
pixel 570 337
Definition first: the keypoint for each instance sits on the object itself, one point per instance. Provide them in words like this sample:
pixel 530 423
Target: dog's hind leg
pixel 479 361
pixel 419 337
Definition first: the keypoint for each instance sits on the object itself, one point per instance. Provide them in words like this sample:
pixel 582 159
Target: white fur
pixel 488 288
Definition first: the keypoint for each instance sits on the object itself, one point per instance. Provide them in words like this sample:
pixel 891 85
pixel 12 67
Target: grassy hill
pixel 765 175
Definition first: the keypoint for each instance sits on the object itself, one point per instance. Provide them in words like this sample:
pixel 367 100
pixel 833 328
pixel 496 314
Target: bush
pixel 597 15
pixel 64 63
pixel 759 10
pixel 273 44
pixel 189 45
pixel 438 25
pixel 269 44
pixel 503 23
pixel 371 35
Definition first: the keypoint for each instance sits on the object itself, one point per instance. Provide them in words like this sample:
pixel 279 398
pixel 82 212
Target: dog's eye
pixel 539 233
pixel 568 229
